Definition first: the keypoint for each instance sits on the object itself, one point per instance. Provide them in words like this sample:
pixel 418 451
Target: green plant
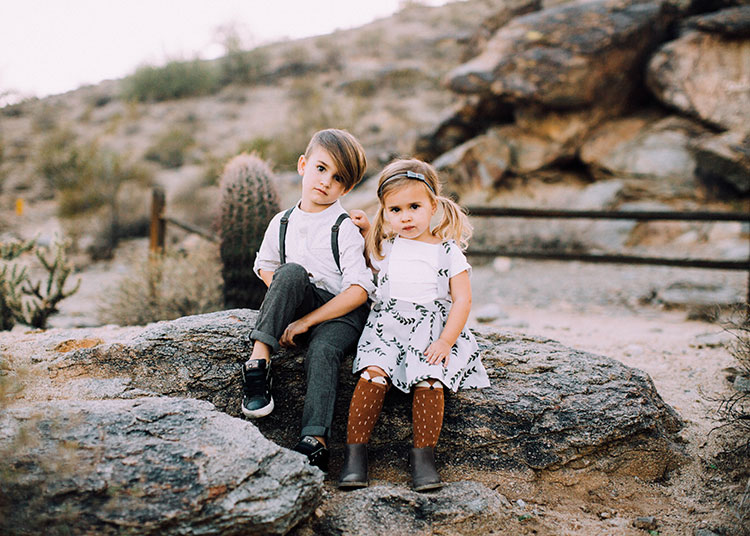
pixel 281 152
pixel 248 202
pixel 165 287
pixel 175 80
pixel 28 301
pixel 239 66
pixel 170 147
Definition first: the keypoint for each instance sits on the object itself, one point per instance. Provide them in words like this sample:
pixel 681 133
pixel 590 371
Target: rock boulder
pixel 150 466
pixel 705 75
pixel 549 407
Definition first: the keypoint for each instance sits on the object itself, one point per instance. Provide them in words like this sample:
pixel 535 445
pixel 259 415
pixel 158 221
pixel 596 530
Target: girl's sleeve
pixel 268 257
pixel 458 261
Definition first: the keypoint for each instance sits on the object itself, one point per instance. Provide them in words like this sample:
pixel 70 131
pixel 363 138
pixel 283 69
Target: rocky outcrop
pixel 706 75
pixel 653 149
pixel 468 508
pixel 567 57
pixel 577 80
pixel 724 159
pixel 151 466
pixel 549 407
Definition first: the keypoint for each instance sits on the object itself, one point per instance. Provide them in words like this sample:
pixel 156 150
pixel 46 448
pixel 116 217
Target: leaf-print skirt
pixel 397 333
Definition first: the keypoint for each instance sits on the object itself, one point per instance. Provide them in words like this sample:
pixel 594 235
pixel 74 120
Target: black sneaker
pixel 256 386
pixel 315 451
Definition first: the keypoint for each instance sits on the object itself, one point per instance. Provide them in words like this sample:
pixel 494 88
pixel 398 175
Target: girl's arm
pixel 361 220
pixel 460 289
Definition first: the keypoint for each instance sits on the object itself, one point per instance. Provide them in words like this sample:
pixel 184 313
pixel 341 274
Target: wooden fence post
pixel 158 225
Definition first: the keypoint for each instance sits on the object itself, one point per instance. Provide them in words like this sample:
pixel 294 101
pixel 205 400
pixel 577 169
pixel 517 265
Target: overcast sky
pixel 52 46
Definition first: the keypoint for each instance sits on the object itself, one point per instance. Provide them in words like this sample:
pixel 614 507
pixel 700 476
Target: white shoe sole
pixel 258 413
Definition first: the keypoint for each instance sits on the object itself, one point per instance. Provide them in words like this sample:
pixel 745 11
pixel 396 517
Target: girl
pixel 414 337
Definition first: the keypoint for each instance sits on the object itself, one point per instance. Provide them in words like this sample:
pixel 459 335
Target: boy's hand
pixel 298 327
pixel 360 220
pixel 439 351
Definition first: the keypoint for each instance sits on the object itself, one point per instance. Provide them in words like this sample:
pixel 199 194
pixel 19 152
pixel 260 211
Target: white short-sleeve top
pixel 413 269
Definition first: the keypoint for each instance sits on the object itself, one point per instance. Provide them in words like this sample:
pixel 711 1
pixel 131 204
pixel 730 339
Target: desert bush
pixel 248 202
pixel 32 301
pixel 312 109
pixel 296 60
pixel 175 80
pixel 734 409
pixel 165 287
pixel 281 152
pixel 239 66
pixel 170 147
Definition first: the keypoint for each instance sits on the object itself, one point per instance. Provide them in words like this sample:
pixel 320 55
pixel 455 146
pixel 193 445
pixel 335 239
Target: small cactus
pixel 26 301
pixel 248 202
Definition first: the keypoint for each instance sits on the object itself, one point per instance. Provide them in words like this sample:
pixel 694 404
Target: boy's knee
pixel 290 272
pixel 320 349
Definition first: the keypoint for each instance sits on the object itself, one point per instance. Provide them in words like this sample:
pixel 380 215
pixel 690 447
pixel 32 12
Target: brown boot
pixel 424 475
pixel 354 471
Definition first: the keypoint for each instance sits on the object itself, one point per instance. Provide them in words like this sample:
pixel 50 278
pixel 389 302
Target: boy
pixel 311 289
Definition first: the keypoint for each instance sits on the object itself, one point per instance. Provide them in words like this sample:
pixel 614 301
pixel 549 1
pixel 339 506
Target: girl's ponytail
pixel 454 223
pixel 375 235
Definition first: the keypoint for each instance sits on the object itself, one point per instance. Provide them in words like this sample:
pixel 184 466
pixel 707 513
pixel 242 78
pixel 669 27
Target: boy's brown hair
pixel 347 154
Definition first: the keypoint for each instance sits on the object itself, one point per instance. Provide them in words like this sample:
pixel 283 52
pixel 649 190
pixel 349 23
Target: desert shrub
pixel 282 151
pixel 296 60
pixel 734 409
pixel 27 300
pixel 248 202
pixel 165 287
pixel 243 66
pixel 371 42
pixel 170 147
pixel 312 109
pixel 175 80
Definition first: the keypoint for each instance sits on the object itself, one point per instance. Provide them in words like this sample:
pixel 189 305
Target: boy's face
pixel 321 183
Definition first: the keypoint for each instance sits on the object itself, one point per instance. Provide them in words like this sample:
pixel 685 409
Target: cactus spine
pixel 248 202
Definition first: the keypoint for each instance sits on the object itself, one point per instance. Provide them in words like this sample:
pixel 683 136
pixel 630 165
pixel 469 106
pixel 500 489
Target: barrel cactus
pixel 248 202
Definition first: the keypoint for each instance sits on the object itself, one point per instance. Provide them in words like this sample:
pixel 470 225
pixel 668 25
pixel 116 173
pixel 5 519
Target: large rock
pixel 484 160
pixel 705 75
pixel 549 407
pixel 654 150
pixel 468 508
pixel 732 22
pixel 152 466
pixel 469 117
pixel 570 56
pixel 724 159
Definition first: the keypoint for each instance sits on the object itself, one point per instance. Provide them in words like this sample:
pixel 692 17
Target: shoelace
pixel 255 382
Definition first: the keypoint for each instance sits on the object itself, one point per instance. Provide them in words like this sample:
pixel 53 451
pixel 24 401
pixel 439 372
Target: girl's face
pixel 408 209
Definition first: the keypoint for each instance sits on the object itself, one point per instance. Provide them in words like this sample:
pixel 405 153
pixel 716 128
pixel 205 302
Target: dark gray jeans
pixel 291 296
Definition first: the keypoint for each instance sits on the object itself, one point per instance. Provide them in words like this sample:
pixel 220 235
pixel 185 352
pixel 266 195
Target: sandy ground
pixel 598 308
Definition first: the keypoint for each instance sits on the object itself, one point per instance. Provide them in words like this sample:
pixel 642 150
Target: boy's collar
pixel 335 204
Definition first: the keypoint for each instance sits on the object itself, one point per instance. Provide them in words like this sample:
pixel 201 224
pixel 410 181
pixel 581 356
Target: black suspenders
pixel 334 236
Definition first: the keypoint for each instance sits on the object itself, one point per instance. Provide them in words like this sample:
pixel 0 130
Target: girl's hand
pixel 360 220
pixel 298 327
pixel 438 352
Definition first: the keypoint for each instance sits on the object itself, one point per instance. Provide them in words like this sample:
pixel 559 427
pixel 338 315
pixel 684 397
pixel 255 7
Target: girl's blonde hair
pixel 453 224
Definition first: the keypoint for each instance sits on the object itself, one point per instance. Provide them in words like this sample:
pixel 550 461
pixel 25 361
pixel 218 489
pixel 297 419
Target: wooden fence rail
pixel 714 264
pixel 159 221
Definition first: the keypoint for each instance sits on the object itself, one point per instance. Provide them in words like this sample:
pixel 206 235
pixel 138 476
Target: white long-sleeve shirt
pixel 308 243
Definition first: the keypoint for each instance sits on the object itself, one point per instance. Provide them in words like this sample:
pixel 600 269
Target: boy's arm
pixel 266 276
pixel 339 305
pixel 267 259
